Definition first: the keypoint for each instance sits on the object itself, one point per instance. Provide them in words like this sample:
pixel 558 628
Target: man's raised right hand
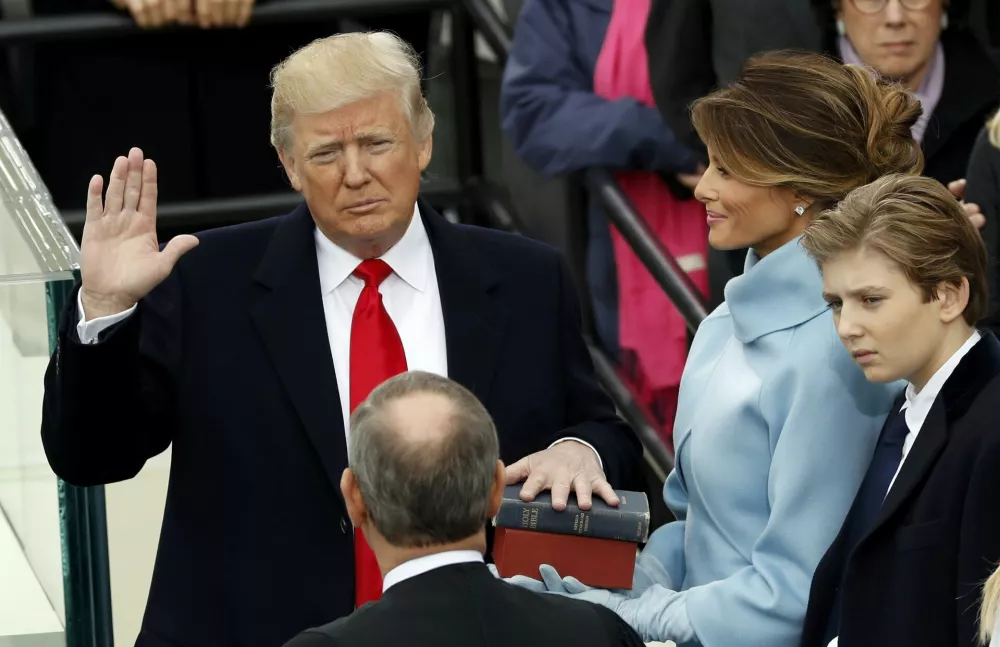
pixel 120 257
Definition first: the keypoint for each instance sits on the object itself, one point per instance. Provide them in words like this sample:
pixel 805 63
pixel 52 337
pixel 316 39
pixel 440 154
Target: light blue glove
pixel 656 613
pixel 648 571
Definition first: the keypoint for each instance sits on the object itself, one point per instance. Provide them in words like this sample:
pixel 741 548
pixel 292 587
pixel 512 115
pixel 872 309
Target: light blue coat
pixel 775 428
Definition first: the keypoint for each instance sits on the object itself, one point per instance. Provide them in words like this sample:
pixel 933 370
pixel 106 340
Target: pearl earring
pixel 944 21
pixel 842 28
pixel 800 210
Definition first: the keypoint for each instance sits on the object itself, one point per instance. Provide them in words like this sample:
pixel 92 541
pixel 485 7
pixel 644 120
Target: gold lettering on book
pixel 581 523
pixel 533 523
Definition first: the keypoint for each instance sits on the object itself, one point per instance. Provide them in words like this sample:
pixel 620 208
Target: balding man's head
pixel 424 453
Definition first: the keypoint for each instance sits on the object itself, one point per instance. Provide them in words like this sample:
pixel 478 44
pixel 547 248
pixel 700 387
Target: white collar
pixel 918 405
pixel 421 565
pixel 408 258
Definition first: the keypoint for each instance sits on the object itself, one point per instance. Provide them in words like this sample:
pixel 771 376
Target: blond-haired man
pixel 249 353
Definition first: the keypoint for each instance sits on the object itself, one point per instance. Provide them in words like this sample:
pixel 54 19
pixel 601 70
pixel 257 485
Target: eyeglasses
pixel 875 6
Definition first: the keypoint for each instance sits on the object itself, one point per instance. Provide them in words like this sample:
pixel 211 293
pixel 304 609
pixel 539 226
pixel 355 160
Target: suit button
pixel 343 525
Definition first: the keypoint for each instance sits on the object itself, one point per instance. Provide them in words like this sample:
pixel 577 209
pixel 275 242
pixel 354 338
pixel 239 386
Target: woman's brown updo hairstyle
pixel 806 122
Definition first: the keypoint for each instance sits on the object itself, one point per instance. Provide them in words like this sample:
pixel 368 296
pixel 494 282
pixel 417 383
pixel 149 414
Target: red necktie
pixel 376 355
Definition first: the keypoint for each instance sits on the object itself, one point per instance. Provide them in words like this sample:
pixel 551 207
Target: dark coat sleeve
pixel 979 543
pixel 555 121
pixel 108 407
pixel 984 189
pixel 679 48
pixel 590 414
pixel 619 633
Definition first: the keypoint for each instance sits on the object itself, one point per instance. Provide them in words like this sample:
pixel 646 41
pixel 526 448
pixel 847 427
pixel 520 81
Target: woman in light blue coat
pixel 776 424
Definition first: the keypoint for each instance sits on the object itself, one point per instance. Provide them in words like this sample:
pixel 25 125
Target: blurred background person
pixel 776 424
pixel 947 69
pixel 576 95
pixel 904 274
pixel 424 477
pixel 984 190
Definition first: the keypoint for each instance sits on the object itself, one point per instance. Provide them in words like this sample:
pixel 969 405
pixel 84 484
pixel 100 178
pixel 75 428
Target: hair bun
pixel 892 114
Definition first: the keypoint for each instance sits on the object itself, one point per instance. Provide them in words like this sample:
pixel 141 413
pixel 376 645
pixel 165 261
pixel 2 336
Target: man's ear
pixel 424 151
pixel 953 298
pixel 288 161
pixel 496 492
pixel 356 508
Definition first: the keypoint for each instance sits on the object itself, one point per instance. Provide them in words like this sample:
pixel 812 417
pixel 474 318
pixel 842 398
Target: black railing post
pixel 465 85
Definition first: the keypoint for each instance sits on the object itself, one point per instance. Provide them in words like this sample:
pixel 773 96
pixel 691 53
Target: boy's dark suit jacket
pixel 465 606
pixel 229 360
pixel 916 578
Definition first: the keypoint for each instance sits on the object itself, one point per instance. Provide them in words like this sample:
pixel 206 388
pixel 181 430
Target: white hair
pixel 990 611
pixel 336 71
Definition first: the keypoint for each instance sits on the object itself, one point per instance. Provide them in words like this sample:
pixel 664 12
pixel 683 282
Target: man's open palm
pixel 120 257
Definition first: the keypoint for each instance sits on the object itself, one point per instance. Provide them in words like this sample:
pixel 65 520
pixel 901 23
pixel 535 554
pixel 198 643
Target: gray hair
pixel 425 493
pixel 336 71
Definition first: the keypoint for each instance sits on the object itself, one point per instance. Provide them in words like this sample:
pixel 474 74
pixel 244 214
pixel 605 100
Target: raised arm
pixel 108 405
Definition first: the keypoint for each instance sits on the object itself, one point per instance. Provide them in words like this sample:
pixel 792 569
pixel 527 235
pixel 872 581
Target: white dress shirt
pixel 995 640
pixel 410 295
pixel 421 565
pixel 918 405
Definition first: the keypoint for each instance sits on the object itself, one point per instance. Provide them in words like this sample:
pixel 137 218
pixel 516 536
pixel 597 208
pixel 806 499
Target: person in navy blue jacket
pixel 558 124
pixel 243 348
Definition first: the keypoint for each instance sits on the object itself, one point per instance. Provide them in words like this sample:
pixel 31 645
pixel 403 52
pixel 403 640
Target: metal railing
pixel 620 210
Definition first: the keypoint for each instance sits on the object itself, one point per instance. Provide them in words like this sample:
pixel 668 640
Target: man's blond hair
pixel 336 71
pixel 995 130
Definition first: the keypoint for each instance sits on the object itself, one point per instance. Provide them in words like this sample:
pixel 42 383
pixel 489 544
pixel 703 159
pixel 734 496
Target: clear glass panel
pixel 36 251
pixel 34 243
pixel 30 550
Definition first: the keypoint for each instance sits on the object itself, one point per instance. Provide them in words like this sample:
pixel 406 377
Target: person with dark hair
pixel 424 476
pixel 775 424
pixel 904 272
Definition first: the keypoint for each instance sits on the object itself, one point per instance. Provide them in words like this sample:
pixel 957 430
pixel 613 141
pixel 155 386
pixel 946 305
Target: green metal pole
pixel 84 530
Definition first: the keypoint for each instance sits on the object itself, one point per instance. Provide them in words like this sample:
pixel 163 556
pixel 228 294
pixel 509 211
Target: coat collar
pixel 979 366
pixel 780 291
pixel 288 314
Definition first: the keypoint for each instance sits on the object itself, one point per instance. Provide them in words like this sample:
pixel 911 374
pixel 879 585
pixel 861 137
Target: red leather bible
pixel 603 563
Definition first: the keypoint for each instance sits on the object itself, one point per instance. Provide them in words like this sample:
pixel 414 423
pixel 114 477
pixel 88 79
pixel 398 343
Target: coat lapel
pixel 977 368
pixel 474 318
pixel 289 316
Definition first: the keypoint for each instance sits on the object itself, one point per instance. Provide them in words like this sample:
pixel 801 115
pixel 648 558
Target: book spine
pixel 603 523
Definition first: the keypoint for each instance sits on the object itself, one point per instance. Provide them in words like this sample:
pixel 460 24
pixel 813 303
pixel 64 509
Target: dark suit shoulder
pixel 255 234
pixel 320 637
pixel 510 247
pixel 559 612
